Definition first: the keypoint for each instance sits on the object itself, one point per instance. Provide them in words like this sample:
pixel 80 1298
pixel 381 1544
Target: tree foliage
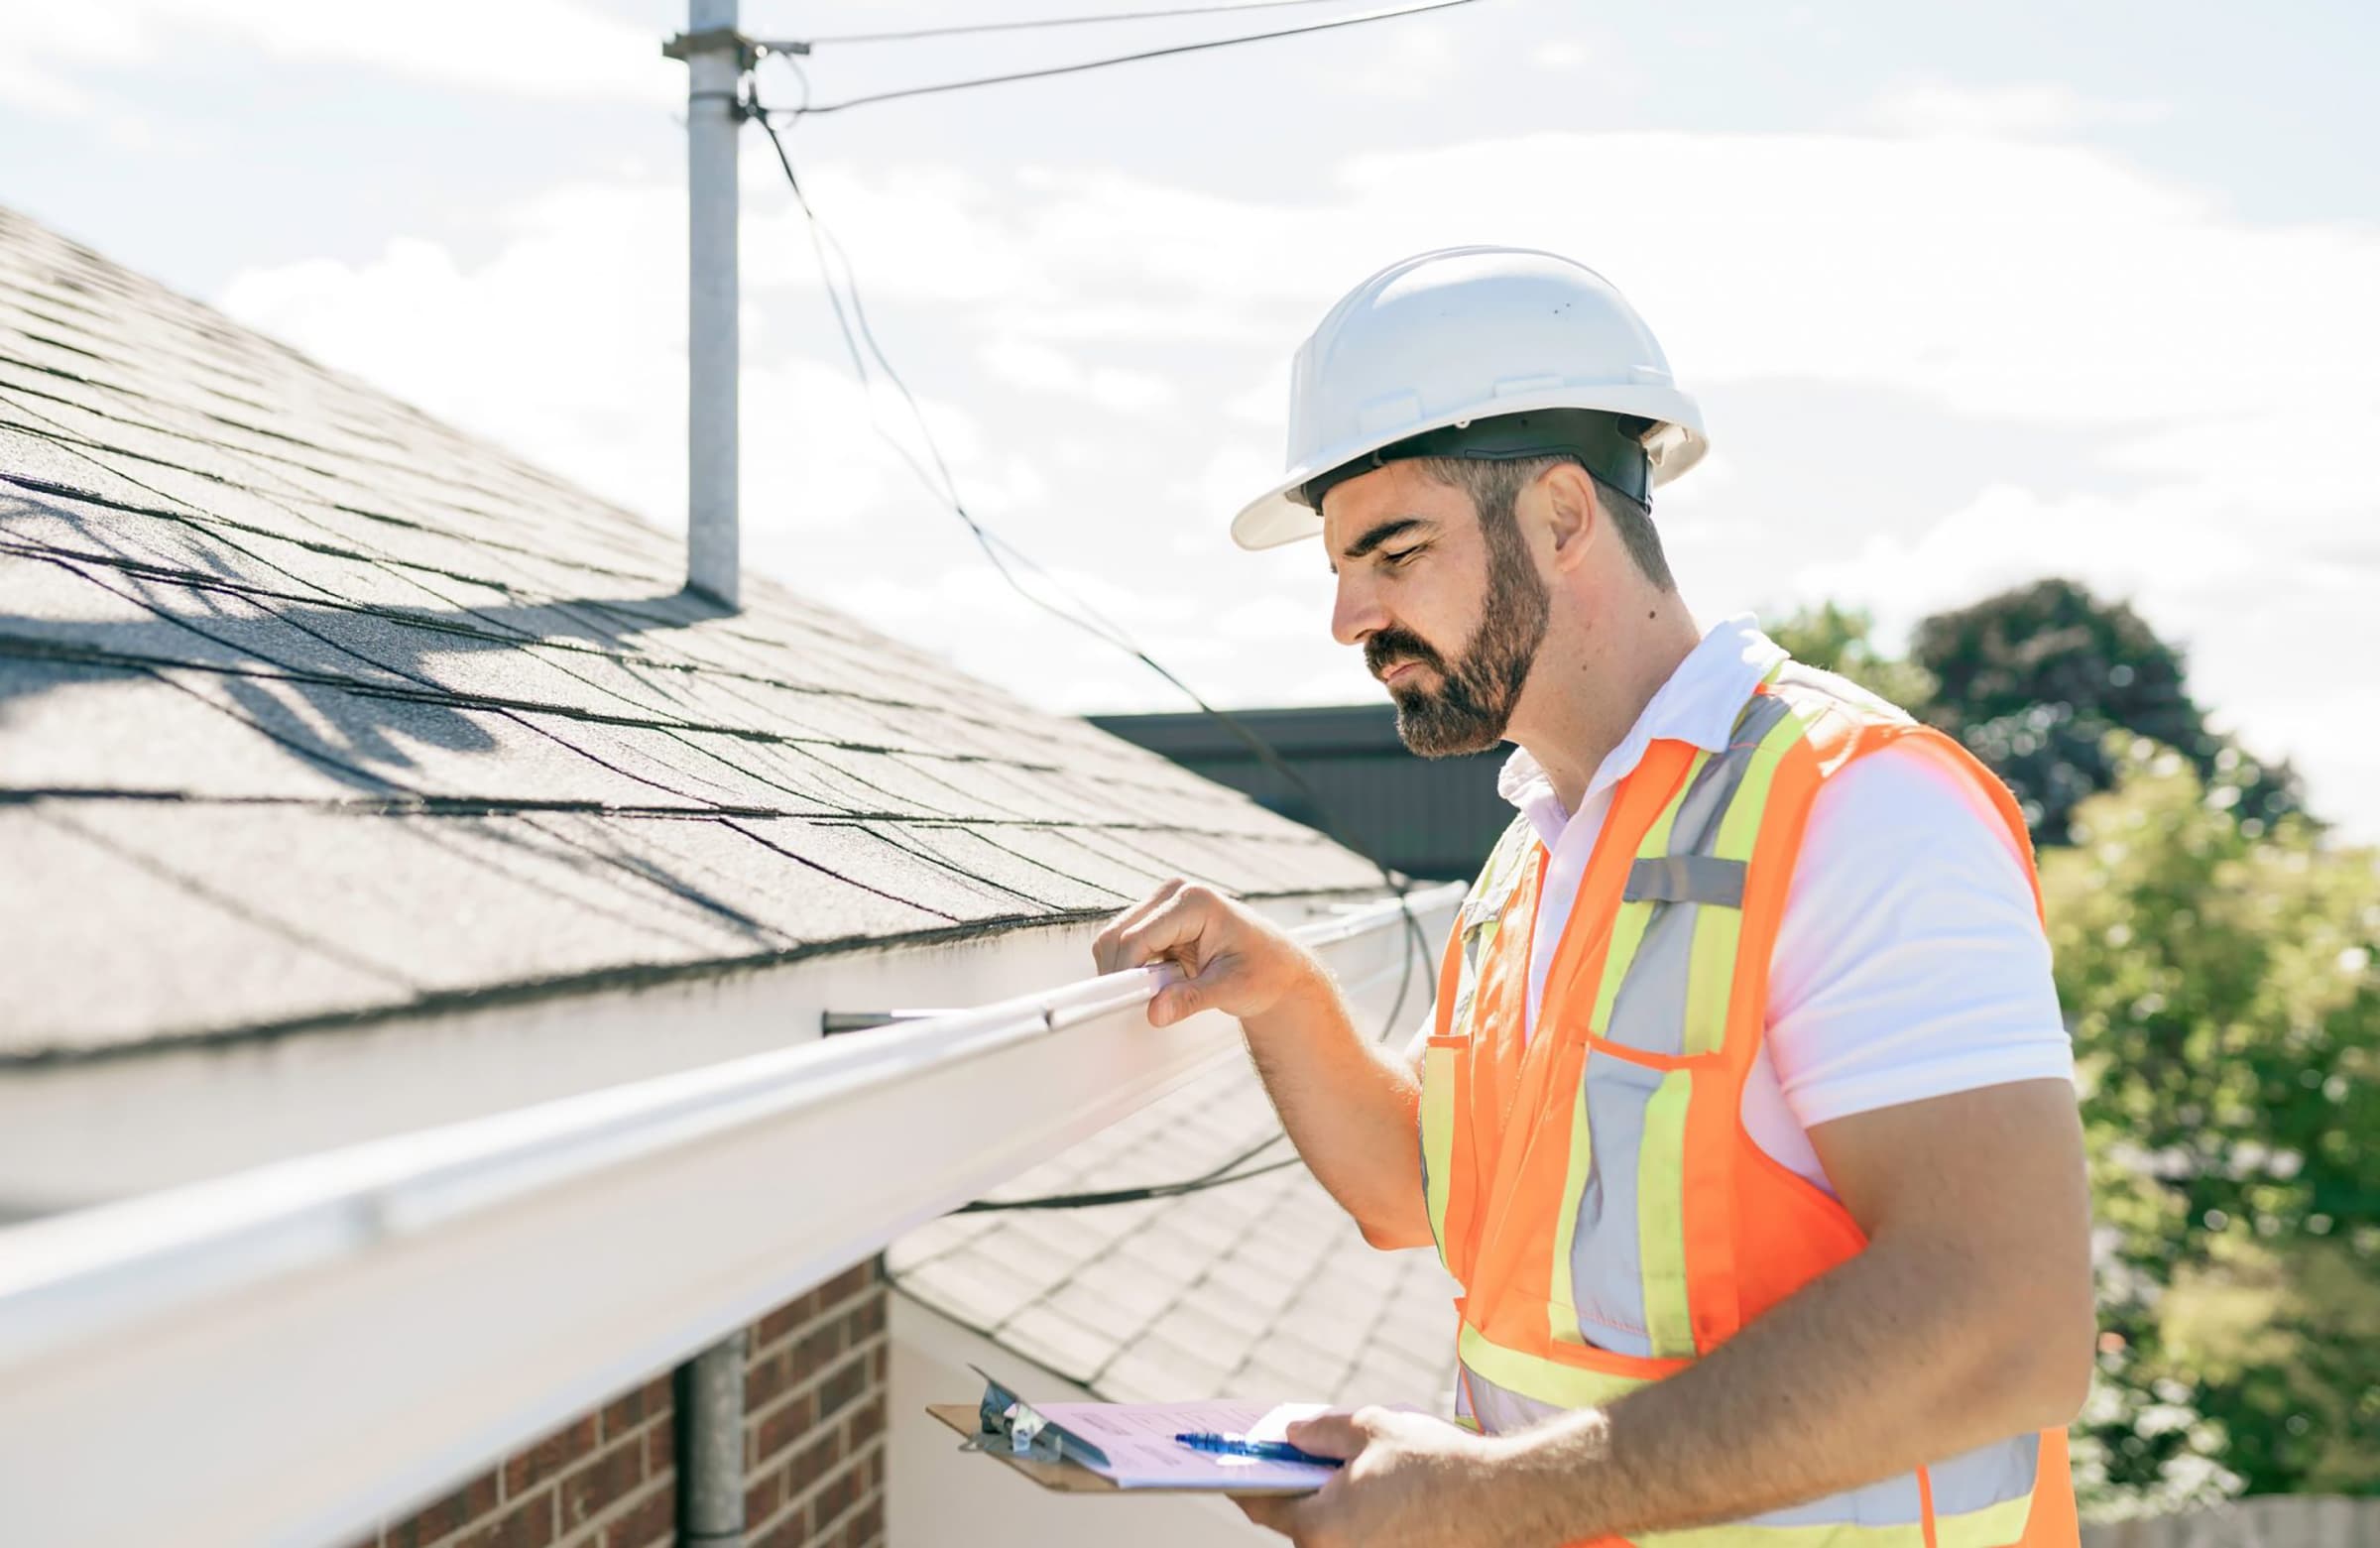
pixel 2215 956
pixel 2218 975
pixel 2033 679
pixel 1837 640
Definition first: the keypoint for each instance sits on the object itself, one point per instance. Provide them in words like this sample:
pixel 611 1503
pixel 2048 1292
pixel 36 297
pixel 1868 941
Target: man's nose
pixel 1355 610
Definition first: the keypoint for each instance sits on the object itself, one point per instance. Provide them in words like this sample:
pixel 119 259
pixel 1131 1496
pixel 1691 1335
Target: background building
pixel 1425 816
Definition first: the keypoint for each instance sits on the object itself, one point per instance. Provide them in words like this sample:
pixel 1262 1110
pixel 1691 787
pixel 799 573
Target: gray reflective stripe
pixel 1696 831
pixel 1973 1479
pixel 1686 879
pixel 1984 1477
pixel 1649 1012
pixel 1499 1410
pixel 1606 1276
pixel 1649 1009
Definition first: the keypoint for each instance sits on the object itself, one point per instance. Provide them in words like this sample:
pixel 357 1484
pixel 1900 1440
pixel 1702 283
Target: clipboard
pixel 1005 1426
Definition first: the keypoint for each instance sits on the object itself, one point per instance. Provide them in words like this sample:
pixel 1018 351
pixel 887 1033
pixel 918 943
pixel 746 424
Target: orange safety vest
pixel 1593 1188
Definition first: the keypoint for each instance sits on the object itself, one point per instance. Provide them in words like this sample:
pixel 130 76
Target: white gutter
pixel 294 1350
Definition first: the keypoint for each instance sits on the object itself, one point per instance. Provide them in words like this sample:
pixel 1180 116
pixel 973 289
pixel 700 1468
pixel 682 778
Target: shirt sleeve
pixel 1910 962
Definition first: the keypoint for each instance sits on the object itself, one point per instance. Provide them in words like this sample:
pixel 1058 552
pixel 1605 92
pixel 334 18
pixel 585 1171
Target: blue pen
pixel 1267 1451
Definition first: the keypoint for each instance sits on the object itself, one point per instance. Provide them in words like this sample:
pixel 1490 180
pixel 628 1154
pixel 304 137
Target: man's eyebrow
pixel 1381 532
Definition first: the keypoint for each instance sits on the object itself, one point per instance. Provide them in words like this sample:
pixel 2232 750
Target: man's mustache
pixel 1391 646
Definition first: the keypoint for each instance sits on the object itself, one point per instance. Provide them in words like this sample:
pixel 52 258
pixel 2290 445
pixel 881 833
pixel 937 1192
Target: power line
pixel 853 324
pixel 1064 21
pixel 1357 20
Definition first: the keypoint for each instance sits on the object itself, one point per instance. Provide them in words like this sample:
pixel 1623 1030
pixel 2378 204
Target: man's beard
pixel 1474 699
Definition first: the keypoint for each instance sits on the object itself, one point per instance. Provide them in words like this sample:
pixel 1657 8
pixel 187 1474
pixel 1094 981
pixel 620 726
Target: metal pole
pixel 709 1390
pixel 715 62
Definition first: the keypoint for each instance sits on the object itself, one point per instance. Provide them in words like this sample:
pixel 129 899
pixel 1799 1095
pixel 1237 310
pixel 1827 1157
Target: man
pixel 1745 1118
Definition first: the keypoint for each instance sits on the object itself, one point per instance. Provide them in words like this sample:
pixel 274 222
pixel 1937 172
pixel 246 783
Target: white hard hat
pixel 1465 334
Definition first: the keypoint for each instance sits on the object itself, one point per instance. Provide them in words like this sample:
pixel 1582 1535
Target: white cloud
pixel 1042 368
pixel 545 48
pixel 2021 110
pixel 2227 375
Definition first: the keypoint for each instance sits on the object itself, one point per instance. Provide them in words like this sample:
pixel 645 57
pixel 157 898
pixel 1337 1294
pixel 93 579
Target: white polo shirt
pixel 1910 962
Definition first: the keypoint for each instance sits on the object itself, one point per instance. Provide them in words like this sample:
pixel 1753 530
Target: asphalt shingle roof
pixel 313 708
pixel 1260 1289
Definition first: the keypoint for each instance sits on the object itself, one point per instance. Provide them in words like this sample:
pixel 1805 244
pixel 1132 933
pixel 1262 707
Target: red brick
pixel 865 1423
pixel 817 1350
pixel 785 1319
pixel 529 1523
pixel 473 1500
pixel 784 1428
pixel 762 1498
pixel 812 1463
pixel 870 1320
pixel 843 1286
pixel 837 1494
pixel 652 1522
pixel 542 1459
pixel 763 1381
pixel 867 1528
pixel 792 1533
pixel 601 1484
pixel 632 1407
pixel 661 1447
pixel 876 1363
pixel 844 1386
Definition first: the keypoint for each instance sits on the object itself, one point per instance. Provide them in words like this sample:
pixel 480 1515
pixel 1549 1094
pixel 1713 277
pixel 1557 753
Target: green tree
pixel 1839 640
pixel 2218 975
pixel 2033 679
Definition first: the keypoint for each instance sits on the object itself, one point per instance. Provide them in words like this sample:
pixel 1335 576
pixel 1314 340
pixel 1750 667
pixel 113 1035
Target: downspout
pixel 709 1390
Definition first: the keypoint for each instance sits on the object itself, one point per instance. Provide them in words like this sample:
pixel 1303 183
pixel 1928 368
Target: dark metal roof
pixel 1425 816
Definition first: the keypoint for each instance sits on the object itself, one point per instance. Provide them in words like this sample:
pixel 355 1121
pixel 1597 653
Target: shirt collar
pixel 1698 704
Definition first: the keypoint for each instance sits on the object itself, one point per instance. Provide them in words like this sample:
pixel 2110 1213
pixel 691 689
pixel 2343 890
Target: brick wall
pixel 814 1383
pixel 814 1386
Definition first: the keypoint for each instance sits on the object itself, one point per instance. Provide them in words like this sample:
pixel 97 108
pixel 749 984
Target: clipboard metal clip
pixel 1007 1423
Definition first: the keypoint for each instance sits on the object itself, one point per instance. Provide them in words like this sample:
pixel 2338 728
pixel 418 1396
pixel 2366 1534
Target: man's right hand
pixel 1232 960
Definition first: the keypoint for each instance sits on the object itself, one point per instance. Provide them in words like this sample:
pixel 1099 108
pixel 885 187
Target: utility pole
pixel 716 56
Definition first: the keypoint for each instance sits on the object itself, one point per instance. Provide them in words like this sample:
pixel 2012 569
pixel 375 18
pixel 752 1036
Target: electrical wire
pixel 1110 633
pixel 1046 71
pixel 1213 1178
pixel 852 324
pixel 967 27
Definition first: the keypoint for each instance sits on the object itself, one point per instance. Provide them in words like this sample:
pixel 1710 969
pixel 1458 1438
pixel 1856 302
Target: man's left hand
pixel 1410 1481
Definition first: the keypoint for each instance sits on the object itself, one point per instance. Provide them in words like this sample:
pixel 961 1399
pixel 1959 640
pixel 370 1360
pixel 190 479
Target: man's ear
pixel 1574 517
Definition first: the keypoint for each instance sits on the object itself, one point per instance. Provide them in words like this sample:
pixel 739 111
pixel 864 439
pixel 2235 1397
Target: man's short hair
pixel 1494 489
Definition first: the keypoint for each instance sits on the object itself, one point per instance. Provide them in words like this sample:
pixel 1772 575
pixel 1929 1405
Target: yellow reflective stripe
pixel 1741 825
pixel 1628 926
pixel 1437 1136
pixel 1561 1304
pixel 1661 1218
pixel 1541 1380
pixel 1992 1526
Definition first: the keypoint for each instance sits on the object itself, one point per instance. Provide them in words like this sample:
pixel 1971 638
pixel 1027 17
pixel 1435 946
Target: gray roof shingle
pixel 313 709
pixel 1259 1288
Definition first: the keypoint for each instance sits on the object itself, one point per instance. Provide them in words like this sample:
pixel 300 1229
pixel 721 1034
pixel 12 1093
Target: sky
pixel 1968 297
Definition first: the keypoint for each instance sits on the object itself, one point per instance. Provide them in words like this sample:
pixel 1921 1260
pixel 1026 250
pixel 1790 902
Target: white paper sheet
pixel 1142 1453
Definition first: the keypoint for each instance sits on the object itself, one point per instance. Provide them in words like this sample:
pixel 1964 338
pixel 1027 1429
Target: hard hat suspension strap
pixel 1608 446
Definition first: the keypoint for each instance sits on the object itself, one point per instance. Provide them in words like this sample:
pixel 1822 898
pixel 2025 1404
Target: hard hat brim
pixel 1273 518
